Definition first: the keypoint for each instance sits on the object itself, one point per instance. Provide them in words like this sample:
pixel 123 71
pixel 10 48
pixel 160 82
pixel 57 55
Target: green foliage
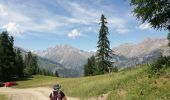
pixel 31 64
pixel 91 67
pixel 159 66
pixel 46 72
pixel 19 64
pixel 115 69
pixel 56 73
pixel 156 12
pixel 168 37
pixel 7 57
pixel 104 53
pixel 28 71
pixel 12 65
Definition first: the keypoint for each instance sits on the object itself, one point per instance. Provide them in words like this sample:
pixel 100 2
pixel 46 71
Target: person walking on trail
pixel 57 94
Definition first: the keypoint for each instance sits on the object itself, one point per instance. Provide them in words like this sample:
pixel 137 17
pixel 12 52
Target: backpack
pixel 56 95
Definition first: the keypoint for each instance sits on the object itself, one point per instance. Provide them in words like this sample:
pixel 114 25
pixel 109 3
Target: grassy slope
pixel 131 84
pixel 143 88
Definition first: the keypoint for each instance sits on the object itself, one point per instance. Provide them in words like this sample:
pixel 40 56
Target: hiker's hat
pixel 56 87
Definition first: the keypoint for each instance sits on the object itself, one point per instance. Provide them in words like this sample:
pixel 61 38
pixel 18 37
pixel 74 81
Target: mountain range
pixel 66 55
pixel 145 52
pixel 69 61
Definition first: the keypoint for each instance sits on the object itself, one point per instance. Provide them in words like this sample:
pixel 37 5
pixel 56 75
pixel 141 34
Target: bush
pixel 115 69
pixel 28 71
pixel 159 66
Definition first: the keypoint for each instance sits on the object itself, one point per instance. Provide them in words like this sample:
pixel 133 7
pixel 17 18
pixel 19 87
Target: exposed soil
pixel 40 93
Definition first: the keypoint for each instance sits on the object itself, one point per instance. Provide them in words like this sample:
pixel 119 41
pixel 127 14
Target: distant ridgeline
pixel 51 66
pixel 145 52
pixel 69 61
pixel 126 55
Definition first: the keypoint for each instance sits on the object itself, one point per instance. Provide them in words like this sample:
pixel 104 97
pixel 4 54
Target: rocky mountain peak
pixel 145 47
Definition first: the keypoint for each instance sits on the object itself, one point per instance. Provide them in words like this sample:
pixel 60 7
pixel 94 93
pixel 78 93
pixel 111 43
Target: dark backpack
pixel 56 95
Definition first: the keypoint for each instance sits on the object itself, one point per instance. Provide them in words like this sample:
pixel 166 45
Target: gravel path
pixel 40 93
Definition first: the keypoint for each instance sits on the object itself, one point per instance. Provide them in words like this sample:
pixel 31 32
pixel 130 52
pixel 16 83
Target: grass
pixel 130 84
pixel 143 88
pixel 2 97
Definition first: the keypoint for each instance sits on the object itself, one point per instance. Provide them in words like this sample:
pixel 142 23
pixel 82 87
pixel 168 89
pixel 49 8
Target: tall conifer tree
pixel 104 53
pixel 7 57
pixel 31 64
pixel 19 64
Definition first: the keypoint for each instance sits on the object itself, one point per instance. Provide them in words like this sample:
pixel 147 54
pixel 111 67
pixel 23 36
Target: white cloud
pixel 81 14
pixel 3 11
pixel 145 26
pixel 122 30
pixel 27 23
pixel 9 14
pixel 84 15
pixel 92 50
pixel 45 26
pixel 90 29
pixel 53 23
pixel 74 34
pixel 117 22
pixel 13 29
pixel 82 11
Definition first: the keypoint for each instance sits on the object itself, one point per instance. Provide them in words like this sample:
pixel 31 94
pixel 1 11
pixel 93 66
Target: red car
pixel 9 84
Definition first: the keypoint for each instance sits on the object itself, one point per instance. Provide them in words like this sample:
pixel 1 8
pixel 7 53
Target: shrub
pixel 159 66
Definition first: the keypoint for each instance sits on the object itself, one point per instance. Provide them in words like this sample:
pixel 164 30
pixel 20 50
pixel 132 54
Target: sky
pixel 40 24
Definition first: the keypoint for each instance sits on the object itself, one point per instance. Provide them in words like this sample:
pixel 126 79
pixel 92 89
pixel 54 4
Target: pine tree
pixel 86 68
pixel 28 69
pixel 90 68
pixel 7 57
pixel 56 74
pixel 104 53
pixel 44 72
pixel 168 37
pixel 31 64
pixel 19 64
pixel 34 65
pixel 27 60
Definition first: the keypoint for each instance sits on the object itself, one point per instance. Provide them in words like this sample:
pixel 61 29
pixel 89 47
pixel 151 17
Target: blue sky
pixel 40 24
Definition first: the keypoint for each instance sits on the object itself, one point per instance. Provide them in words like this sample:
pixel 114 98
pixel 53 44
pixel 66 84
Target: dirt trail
pixel 40 93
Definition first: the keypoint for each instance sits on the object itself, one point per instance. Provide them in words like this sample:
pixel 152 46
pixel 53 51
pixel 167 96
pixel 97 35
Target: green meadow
pixel 129 84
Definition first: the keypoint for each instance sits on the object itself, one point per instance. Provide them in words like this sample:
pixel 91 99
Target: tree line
pixel 47 72
pixel 15 66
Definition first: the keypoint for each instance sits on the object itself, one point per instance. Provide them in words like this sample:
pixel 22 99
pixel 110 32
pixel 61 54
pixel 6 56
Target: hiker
pixel 57 94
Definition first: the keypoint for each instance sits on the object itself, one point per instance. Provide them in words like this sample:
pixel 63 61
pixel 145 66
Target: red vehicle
pixel 9 84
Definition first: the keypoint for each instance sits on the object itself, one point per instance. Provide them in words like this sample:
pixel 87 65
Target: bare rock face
pixel 146 51
pixel 143 48
pixel 65 55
